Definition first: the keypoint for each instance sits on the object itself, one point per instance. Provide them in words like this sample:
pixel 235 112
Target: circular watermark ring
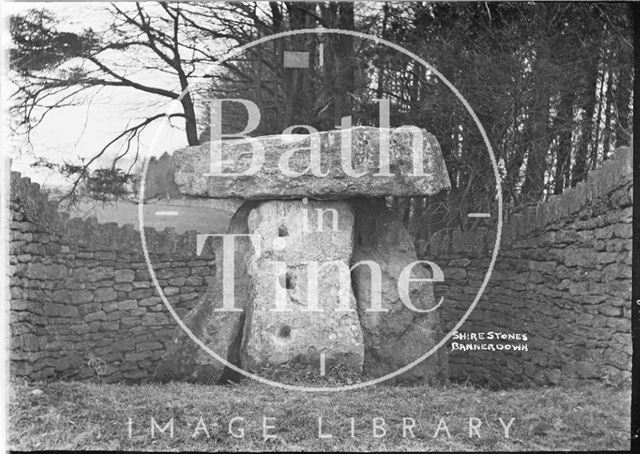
pixel 445 339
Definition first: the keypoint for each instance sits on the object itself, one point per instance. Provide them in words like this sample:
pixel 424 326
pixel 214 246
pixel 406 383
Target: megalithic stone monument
pixel 319 282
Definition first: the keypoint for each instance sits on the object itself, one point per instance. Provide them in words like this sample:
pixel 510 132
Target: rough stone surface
pixel 552 282
pixel 274 338
pixel 81 296
pixel 400 336
pixel 193 163
pixel 221 331
pixel 574 305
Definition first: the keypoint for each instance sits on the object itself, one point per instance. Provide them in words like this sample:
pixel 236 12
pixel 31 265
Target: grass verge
pixel 68 415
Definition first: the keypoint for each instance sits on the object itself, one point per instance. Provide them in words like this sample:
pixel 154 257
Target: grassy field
pixel 91 416
pixel 205 216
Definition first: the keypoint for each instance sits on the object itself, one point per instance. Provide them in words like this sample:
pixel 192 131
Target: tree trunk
pixel 606 134
pixel 590 84
pixel 380 69
pixel 563 151
pixel 191 127
pixel 601 103
pixel 345 75
pixel 537 129
pixel 622 98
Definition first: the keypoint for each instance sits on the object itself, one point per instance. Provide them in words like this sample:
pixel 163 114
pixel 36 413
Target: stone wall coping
pixel 88 232
pixel 615 172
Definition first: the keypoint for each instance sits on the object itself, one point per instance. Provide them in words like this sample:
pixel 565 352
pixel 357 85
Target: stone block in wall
pixel 123 345
pixel 617 271
pixel 623 230
pixel 79 328
pixel 139 356
pixel 98 326
pixel 566 237
pixel 455 274
pixel 624 340
pixel 171 291
pixel 60 310
pixel 195 281
pixel 124 276
pixel 61 296
pixel 189 296
pixel 619 325
pixel 604 232
pixel 150 301
pixel 45 271
pixel 148 346
pixel 100 273
pixel 618 359
pixel 105 294
pixel 142 293
pixel 624 215
pixel 100 315
pixel 120 306
pixel 617 301
pixel 123 289
pixel 88 308
pixel 130 321
pixel 105 255
pixel 135 375
pixel 623 197
pixel 462 263
pixel 618 288
pixel 579 256
pixel 610 311
pixel 140 285
pixel 80 296
pixel 155 319
pixel 20 236
pixel 138 311
pixel 604 258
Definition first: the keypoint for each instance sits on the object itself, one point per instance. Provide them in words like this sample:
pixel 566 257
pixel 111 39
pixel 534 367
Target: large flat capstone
pixel 415 166
pixel 297 298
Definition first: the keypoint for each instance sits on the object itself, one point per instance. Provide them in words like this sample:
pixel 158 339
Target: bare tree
pixel 55 69
pixel 550 83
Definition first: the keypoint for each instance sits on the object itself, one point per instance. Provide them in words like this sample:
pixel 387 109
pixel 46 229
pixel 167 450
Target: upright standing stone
pixel 280 327
pixel 221 331
pixel 395 338
pixel 296 287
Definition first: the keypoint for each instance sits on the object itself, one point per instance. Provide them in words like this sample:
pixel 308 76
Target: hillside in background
pixel 205 216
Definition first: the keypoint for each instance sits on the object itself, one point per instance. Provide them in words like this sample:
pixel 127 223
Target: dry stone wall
pixel 562 281
pixel 83 305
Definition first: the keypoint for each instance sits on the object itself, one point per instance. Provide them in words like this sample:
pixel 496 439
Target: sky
pixel 72 133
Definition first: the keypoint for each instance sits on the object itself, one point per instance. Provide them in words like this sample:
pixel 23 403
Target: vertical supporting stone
pixel 303 305
pixel 219 330
pixel 395 338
